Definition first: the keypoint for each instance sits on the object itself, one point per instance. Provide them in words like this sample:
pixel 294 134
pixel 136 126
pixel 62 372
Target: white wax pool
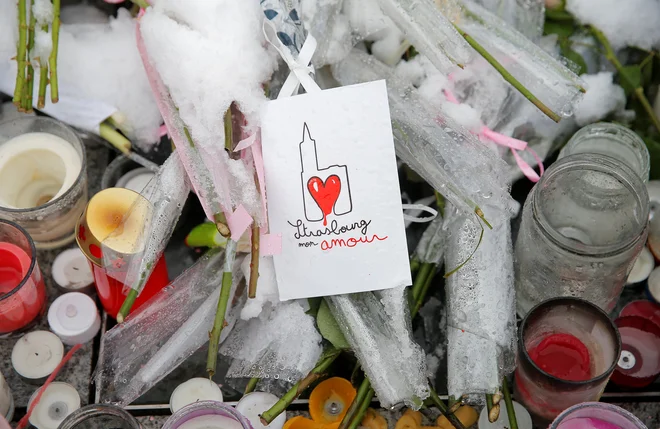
pixel 211 421
pixel 36 168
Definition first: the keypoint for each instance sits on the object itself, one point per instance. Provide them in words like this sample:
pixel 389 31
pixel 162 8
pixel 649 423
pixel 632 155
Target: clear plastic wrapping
pixel 526 16
pixel 431 246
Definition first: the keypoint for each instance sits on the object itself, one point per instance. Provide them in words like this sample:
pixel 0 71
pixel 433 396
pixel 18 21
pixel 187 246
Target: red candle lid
pixel 642 308
pixel 639 362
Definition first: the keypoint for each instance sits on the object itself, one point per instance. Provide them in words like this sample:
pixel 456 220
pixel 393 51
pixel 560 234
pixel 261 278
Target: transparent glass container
pixel 567 351
pixel 612 140
pixel 207 415
pixel 582 416
pixel 43 171
pixel 583 225
pixel 97 416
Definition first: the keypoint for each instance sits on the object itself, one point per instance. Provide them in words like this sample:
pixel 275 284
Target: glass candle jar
pixel 567 350
pixel 98 416
pixel 207 415
pixel 583 225
pixel 44 178
pixel 596 415
pixel 612 140
pixel 22 288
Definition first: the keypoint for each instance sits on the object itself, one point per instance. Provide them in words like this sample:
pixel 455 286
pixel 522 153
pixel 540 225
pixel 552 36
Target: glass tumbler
pixel 596 415
pixel 567 350
pixel 207 415
pixel 44 178
pixel 583 225
pixel 612 140
pixel 98 416
pixel 22 288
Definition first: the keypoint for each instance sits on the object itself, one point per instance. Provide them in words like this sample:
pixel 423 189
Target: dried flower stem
pixel 324 363
pixel 21 54
pixel 493 409
pixel 43 77
pixel 29 87
pixel 510 411
pixel 52 60
pixel 254 262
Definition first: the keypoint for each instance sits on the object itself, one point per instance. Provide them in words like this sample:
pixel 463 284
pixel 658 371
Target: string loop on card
pixel 419 207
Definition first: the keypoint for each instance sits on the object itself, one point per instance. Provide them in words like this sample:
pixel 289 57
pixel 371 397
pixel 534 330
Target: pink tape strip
pixel 238 222
pixel 270 244
pixel 246 142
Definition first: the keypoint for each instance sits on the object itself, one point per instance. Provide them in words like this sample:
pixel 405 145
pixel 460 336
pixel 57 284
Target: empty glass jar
pixel 98 416
pixel 612 140
pixel 583 225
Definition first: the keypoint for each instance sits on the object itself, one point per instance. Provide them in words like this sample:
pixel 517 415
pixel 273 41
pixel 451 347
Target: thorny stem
pixel 449 414
pixel 220 322
pixel 364 388
pixel 52 60
pixel 121 143
pixel 508 76
pixel 286 400
pixel 21 54
pixel 510 410
pixel 254 262
pixel 29 88
pixel 251 385
pixel 43 77
pixel 639 91
pixel 357 419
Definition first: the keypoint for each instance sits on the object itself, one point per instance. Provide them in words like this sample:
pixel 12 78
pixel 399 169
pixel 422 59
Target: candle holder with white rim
pixel 123 172
pixel 207 415
pixel 97 416
pixel 596 415
pixel 44 178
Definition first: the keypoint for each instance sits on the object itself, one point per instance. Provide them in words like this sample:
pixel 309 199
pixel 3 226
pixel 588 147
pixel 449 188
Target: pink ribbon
pixel 513 144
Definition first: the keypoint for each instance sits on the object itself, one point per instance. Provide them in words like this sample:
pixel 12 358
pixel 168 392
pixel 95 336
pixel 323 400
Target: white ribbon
pixel 300 68
pixel 418 209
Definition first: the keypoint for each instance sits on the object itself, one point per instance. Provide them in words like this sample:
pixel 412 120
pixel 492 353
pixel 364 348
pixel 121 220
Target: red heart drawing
pixel 325 194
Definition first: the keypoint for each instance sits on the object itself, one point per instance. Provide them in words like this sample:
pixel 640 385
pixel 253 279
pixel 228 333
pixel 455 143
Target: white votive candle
pixel 255 403
pixel 74 318
pixel 57 402
pixel 194 390
pixel 136 180
pixel 36 355
pixel 71 271
pixel 6 400
pixel 211 421
pixel 502 422
pixel 36 168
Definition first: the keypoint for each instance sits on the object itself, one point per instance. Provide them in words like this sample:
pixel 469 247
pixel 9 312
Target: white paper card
pixel 333 192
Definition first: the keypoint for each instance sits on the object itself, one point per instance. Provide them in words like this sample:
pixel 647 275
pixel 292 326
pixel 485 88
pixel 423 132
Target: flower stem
pixel 219 323
pixel 254 263
pixel 425 288
pixel 141 3
pixel 29 87
pixel 121 143
pixel 639 91
pixel 286 400
pixel 357 418
pixel 52 60
pixel 493 409
pixel 420 279
pixel 251 385
pixel 356 405
pixel 43 77
pixel 21 54
pixel 510 411
pixel 445 411
pixel 508 76
pixel 127 305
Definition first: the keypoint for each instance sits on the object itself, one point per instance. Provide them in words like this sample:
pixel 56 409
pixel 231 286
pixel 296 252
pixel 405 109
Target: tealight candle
pixel 522 417
pixel 194 390
pixel 255 403
pixel 42 169
pixel 56 403
pixel 71 272
pixel 37 354
pixel 136 180
pixel 6 400
pixel 207 415
pixel 74 318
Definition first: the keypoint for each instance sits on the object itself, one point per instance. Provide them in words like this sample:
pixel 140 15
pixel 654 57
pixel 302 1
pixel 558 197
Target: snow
pixel 624 23
pixel 43 11
pixel 602 98
pixel 266 287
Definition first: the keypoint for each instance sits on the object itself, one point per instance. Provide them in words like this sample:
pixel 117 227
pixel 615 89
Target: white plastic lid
pixel 255 403
pixel 71 270
pixel 74 318
pixel 193 390
pixel 136 180
pixel 57 402
pixel 37 354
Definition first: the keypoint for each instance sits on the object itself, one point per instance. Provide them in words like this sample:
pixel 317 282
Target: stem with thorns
pixel 43 77
pixel 639 91
pixel 286 400
pixel 29 87
pixel 447 412
pixel 508 76
pixel 254 263
pixel 52 60
pixel 21 54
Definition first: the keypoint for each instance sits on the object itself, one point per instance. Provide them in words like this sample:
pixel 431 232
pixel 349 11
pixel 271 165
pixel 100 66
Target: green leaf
pixel 573 56
pixel 558 15
pixel 314 304
pixel 563 29
pixel 329 328
pixel 630 78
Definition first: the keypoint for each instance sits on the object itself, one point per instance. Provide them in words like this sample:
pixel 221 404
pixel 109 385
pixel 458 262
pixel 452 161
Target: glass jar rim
pixel 603 164
pixel 33 259
pixel 600 405
pixel 567 300
pixel 223 408
pixel 94 410
pixel 83 163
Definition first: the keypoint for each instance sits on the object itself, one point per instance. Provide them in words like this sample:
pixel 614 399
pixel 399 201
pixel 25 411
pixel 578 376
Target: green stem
pixel 510 411
pixel 21 54
pixel 127 305
pixel 424 272
pixel 43 77
pixel 489 402
pixel 364 388
pixel 141 3
pixel 508 76
pixel 29 90
pixel 364 405
pixel 219 323
pixel 639 91
pixel 251 385
pixel 286 400
pixel 254 262
pixel 121 143
pixel 445 411
pixel 420 299
pixel 52 60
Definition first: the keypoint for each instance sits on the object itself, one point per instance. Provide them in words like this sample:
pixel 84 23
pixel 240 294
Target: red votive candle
pixel 22 288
